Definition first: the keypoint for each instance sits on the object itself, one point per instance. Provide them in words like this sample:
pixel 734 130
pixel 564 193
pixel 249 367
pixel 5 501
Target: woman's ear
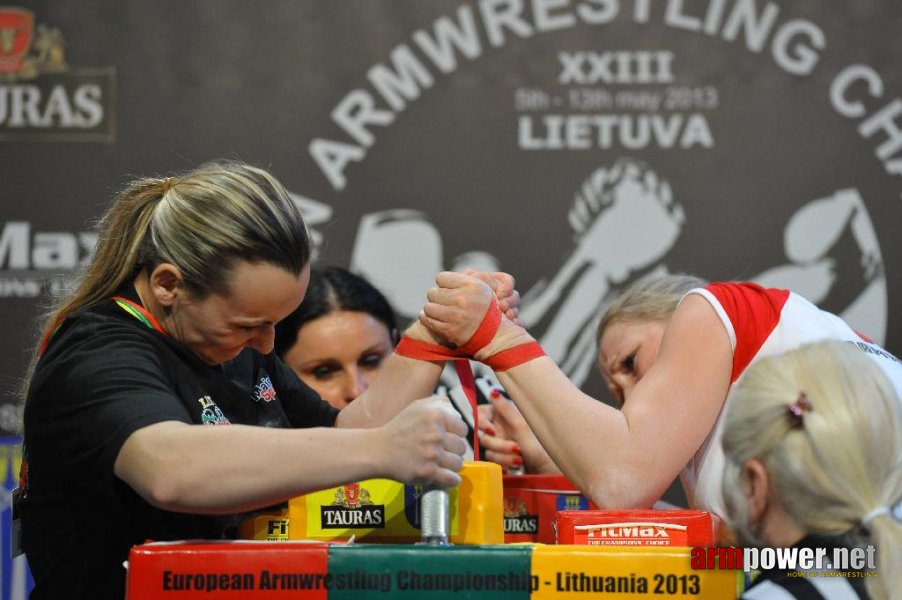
pixel 166 283
pixel 756 486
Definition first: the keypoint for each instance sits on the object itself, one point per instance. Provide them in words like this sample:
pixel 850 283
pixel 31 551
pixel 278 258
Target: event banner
pixel 577 144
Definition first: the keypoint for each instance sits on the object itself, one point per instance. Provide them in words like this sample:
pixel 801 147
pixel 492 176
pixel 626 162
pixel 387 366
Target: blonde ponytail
pixel 202 221
pixel 832 463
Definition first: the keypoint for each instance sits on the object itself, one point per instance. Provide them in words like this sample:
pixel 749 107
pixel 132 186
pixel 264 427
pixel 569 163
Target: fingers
pixel 506 460
pixel 514 315
pixel 455 424
pixel 443 295
pixel 444 478
pixel 428 443
pixel 487 278
pixel 485 412
pixel 438 313
pixel 506 453
pixel 452 426
pixel 504 283
pixel 499 445
pixel 451 280
pixel 455 313
pixel 448 459
pixel 498 449
pixel 510 302
pixel 508 297
pixel 450 285
pixel 429 323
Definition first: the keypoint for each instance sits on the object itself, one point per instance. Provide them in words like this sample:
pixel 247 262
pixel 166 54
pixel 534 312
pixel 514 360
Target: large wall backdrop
pixel 577 144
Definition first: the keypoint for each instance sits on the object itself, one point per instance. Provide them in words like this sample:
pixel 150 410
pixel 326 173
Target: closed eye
pixel 372 361
pixel 628 365
pixel 324 371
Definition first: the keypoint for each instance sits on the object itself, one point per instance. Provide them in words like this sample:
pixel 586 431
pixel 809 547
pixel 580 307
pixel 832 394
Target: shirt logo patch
pixel 210 413
pixel 264 390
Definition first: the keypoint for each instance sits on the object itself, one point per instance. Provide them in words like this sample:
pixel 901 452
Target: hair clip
pixel 798 408
pixel 167 183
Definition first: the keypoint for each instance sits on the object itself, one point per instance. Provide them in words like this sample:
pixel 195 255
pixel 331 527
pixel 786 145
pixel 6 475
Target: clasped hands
pixel 457 304
pixel 456 307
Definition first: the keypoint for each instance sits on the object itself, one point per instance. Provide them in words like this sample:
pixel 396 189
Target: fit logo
pixel 277 529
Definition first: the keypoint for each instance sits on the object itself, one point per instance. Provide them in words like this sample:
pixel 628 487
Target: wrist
pixel 377 456
pixel 509 335
pixel 418 331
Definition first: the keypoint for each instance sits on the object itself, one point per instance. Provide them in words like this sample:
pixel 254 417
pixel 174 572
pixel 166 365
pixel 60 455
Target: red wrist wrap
pixel 488 327
pixel 418 350
pixel 502 361
pixel 512 357
pixel 433 352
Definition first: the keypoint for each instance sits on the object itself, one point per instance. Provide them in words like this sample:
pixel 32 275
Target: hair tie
pixel 874 514
pixel 167 183
pixel 894 511
pixel 797 409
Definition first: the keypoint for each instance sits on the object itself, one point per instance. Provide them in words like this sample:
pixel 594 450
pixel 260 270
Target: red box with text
pixel 531 502
pixel 636 527
pixel 214 570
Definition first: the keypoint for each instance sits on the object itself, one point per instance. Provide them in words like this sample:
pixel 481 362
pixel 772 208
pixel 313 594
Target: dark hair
pixel 331 289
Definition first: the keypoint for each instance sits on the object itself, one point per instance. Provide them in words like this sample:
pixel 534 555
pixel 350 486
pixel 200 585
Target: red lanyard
pixel 135 310
pixel 140 313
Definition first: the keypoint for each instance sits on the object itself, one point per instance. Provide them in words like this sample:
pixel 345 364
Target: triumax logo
pixel 811 560
pixel 34 261
pixel 41 98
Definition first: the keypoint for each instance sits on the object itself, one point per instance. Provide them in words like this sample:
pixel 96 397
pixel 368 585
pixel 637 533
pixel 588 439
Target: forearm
pixel 196 469
pixel 591 442
pixel 401 381
pixel 619 458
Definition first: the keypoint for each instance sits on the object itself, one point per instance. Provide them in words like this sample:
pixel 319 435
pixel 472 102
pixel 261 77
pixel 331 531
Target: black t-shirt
pixel 104 375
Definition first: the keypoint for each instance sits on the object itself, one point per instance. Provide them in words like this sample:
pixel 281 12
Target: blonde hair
pixel 836 462
pixel 651 298
pixel 202 221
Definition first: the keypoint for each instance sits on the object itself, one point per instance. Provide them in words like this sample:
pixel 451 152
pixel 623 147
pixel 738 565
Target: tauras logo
pixel 341 517
pixel 40 97
pixel 517 518
pixel 521 524
pixel 353 507
pixel 60 106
